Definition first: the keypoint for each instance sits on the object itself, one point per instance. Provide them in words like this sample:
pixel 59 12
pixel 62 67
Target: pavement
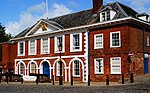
pixel 141 85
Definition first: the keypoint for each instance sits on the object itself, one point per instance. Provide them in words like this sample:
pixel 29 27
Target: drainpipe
pixel 144 45
pixel 88 58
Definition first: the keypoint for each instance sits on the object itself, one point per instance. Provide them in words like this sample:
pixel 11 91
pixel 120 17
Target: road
pixel 49 88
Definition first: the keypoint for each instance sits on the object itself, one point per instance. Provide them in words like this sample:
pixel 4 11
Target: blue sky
pixel 16 15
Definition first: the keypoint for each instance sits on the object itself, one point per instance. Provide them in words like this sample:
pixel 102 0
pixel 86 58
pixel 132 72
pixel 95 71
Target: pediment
pixel 43 26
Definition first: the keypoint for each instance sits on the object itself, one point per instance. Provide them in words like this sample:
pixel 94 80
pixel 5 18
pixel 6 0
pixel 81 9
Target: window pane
pixel 45 45
pixel 76 41
pixel 98 41
pixel 22 69
pixel 115 39
pixel 116 65
pixel 99 65
pixel 32 47
pixel 21 47
pixel 32 67
pixel 76 67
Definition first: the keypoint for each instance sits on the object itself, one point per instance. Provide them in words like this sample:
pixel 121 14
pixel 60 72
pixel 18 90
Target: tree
pixel 3 36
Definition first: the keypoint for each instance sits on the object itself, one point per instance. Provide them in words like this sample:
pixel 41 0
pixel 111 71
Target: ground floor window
pixel 115 65
pixel 32 68
pixel 99 66
pixel 76 68
pixel 22 69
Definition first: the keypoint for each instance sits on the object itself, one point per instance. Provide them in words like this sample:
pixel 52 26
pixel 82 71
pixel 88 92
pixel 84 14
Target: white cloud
pixel 32 15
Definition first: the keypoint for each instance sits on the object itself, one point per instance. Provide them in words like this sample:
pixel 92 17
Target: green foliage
pixel 3 36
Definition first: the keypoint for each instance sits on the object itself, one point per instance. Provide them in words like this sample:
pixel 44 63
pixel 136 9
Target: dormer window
pixel 107 15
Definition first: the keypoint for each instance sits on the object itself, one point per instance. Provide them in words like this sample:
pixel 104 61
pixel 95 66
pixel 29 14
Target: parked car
pixel 44 78
pixel 41 77
pixel 15 77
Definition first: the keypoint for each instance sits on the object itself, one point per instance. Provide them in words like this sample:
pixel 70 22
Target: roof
pixel 85 17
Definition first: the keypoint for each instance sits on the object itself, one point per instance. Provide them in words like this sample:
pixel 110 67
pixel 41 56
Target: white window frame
pixel 74 68
pixel 105 16
pixel 34 67
pixel 147 41
pixel 102 66
pixel 95 45
pixel 43 52
pixel 23 54
pixel 71 43
pixel 111 44
pixel 112 64
pixel 35 42
pixel 63 44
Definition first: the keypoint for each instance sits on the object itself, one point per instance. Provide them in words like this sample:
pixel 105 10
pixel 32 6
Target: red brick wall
pixel 107 52
pixel 9 53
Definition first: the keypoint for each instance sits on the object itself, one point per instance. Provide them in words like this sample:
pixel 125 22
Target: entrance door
pixel 46 69
pixel 145 65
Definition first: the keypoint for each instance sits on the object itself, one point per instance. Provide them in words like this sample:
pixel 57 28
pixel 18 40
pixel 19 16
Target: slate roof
pixel 86 17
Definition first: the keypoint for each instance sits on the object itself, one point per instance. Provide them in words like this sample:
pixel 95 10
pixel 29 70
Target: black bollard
pixel 88 80
pixel 7 77
pixel 71 80
pixel 107 79
pixel 21 80
pixel 131 78
pixel 122 78
pixel 53 79
pixel 37 79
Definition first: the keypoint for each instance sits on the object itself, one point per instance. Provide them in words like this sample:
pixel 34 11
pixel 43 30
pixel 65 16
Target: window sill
pixel 76 50
pixel 76 75
pixel 99 73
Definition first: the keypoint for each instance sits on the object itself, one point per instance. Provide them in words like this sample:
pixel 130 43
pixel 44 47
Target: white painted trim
pixel 63 44
pixel 111 66
pixel 18 65
pixel 35 41
pixel 111 39
pixel 48 46
pixel 70 68
pixel 56 57
pixel 23 48
pixel 30 67
pixel 96 41
pixel 64 68
pixel 83 27
pixel 71 42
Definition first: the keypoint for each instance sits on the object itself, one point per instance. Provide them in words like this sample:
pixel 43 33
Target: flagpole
pixel 47 9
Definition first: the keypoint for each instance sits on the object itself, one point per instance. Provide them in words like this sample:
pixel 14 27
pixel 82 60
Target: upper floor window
pixel 98 41
pixel 76 68
pixel 99 66
pixel 115 65
pixel 45 46
pixel 76 42
pixel 32 47
pixel 115 40
pixel 59 40
pixel 21 48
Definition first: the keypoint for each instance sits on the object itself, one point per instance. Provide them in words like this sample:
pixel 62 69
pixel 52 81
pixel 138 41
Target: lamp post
pixel 60 62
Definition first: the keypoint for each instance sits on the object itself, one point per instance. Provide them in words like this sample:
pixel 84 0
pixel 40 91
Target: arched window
pixel 32 68
pixel 22 69
pixel 76 68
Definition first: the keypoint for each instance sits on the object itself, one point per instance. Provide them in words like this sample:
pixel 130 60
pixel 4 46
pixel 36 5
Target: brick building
pixel 108 39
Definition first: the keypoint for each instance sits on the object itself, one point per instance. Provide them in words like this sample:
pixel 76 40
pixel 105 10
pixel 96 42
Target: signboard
pixel 131 53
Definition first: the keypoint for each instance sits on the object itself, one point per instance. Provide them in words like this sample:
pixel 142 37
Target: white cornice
pixel 83 27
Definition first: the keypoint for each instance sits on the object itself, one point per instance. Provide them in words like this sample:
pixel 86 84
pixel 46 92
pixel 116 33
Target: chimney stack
pixel 97 4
